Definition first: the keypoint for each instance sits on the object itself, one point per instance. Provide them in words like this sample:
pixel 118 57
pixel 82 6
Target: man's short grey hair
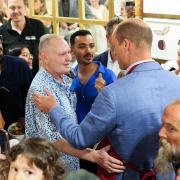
pixel 44 40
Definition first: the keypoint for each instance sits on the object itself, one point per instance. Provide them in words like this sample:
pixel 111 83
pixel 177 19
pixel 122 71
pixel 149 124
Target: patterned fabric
pixel 37 123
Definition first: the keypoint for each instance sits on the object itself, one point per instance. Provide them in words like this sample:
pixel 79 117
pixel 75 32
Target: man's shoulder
pixel 108 72
pixel 14 60
pixel 31 20
pixel 102 55
pixel 41 80
pixel 34 22
pixel 4 27
pixel 17 67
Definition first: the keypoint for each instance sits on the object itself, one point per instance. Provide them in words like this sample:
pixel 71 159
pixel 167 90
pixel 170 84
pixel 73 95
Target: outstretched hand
pixel 45 103
pixel 103 159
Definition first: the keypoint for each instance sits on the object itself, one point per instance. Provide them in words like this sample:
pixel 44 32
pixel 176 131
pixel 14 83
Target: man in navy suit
pixel 128 112
pixel 107 58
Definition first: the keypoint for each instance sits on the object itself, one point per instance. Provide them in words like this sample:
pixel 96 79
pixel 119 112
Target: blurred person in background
pixel 107 58
pixel 128 9
pixel 23 52
pixel 41 10
pixel 98 31
pixel 69 8
pixel 117 6
pixel 3 13
pixel 174 65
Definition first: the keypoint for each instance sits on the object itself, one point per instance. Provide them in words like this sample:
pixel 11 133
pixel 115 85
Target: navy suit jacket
pixel 103 58
pixel 16 77
pixel 129 113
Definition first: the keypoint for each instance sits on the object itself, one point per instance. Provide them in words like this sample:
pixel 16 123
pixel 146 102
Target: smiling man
pixel 87 71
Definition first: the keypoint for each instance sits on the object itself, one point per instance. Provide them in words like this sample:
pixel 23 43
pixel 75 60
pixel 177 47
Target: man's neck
pixel 57 76
pixel 112 58
pixel 18 26
pixel 86 71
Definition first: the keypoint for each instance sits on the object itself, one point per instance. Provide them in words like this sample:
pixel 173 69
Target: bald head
pixel 136 30
pixel 46 39
pixel 173 109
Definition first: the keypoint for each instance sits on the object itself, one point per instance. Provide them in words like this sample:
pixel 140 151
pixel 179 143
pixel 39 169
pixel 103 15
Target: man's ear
pixel 127 44
pixel 43 57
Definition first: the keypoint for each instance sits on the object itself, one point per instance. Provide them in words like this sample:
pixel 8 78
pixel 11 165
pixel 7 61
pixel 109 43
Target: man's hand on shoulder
pixel 45 103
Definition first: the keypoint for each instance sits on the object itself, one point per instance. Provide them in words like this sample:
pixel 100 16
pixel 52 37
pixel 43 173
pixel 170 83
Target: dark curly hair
pixel 41 153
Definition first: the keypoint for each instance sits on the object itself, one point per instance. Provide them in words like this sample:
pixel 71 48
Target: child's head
pixel 35 159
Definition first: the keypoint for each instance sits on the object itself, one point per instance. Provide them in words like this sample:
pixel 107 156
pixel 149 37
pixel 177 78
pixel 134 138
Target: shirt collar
pixel 76 82
pixel 137 63
pixel 9 27
pixel 100 67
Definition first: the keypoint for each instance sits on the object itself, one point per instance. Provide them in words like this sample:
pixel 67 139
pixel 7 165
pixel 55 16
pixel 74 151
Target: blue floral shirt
pixel 38 124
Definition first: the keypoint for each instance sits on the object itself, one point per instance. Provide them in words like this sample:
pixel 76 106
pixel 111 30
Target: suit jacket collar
pixel 148 66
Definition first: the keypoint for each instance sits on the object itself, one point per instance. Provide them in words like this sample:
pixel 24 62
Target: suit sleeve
pixel 97 124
